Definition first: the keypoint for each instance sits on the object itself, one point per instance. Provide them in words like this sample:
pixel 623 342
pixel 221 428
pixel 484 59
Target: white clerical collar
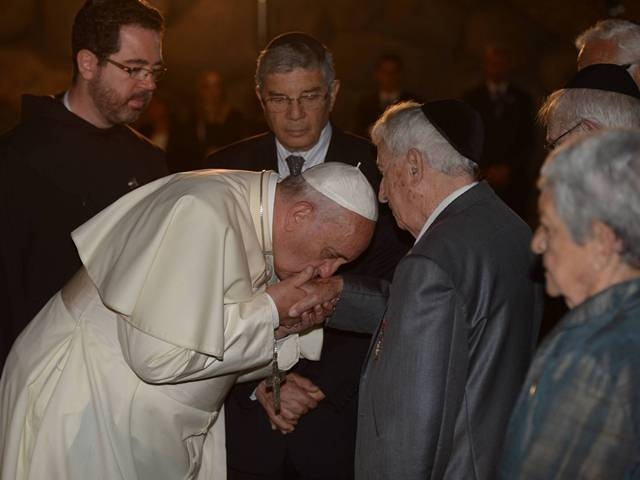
pixel 271 200
pixel 441 206
pixel 65 101
pixel 314 156
pixel 496 89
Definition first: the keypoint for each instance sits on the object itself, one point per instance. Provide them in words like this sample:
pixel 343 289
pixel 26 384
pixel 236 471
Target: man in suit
pixel 296 85
pixel 507 113
pixel 388 77
pixel 462 313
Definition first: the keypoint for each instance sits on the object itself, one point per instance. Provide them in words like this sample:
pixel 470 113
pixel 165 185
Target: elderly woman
pixel 578 415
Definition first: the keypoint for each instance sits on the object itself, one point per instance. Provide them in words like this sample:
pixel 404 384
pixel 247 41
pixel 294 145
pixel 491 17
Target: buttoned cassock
pixel 123 373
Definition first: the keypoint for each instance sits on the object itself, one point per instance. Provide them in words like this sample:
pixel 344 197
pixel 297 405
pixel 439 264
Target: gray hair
pixel 291 51
pixel 569 106
pixel 597 178
pixel 404 126
pixel 625 34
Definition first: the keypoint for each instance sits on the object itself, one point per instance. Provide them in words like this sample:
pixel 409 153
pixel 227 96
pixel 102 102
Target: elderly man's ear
pixel 415 164
pixel 299 215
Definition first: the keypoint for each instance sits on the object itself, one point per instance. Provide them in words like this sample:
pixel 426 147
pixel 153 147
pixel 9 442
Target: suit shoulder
pixel 243 154
pixel 351 144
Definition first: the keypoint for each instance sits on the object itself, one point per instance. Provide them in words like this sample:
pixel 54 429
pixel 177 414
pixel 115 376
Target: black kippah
pixel 607 77
pixel 459 124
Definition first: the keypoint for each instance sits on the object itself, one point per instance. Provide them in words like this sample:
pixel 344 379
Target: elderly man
pixel 598 96
pixel 73 154
pixel 579 409
pixel 123 373
pixel 611 41
pixel 297 87
pixel 462 314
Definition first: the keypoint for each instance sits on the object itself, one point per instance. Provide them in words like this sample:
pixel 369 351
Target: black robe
pixel 57 171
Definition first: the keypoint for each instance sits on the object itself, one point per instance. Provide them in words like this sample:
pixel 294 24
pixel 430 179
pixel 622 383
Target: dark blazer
pixel 449 357
pixel 253 449
pixel 508 139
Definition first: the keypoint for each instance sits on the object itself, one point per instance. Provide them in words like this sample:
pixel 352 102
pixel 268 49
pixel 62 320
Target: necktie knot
pixel 295 162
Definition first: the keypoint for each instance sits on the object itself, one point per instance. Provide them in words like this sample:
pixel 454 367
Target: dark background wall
pixel 440 41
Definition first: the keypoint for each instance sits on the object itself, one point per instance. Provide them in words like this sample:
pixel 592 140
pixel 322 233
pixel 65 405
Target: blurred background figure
pixel 507 113
pixel 155 123
pixel 387 75
pixel 210 124
pixel 577 414
pixel 611 41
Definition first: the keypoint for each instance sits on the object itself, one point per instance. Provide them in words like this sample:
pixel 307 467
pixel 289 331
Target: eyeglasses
pixel 307 101
pixel 551 145
pixel 140 73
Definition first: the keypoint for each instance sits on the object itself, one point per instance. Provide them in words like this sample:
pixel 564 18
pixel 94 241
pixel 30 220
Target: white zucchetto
pixel 346 185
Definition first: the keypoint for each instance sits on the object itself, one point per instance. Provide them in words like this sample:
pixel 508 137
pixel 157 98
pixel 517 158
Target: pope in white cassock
pixel 124 372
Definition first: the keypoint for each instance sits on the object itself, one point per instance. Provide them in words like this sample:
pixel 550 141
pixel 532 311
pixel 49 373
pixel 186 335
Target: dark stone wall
pixel 440 40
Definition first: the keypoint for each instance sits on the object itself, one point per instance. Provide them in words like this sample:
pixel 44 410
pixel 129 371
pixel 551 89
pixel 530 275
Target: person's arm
pixel 417 382
pixel 248 340
pixel 362 301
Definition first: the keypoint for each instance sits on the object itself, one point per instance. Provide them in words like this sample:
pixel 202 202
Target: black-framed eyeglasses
pixel 306 101
pixel 140 73
pixel 551 145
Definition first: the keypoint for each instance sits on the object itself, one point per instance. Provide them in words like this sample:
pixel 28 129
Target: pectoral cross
pixel 276 379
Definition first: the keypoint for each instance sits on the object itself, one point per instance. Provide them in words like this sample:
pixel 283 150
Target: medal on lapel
pixel 378 347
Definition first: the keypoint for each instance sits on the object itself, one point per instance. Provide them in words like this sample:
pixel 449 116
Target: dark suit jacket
pixel 252 447
pixel 448 360
pixel 508 140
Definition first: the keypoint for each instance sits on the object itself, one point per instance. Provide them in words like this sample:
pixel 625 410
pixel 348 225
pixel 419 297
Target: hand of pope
pixel 298 395
pixel 289 292
pixel 322 294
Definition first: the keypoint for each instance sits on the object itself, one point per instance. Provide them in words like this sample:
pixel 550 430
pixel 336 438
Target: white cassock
pixel 124 372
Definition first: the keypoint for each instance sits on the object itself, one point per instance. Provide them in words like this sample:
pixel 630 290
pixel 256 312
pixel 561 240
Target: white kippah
pixel 346 185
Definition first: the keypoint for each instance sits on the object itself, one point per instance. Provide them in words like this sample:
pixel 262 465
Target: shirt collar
pixel 441 206
pixel 314 156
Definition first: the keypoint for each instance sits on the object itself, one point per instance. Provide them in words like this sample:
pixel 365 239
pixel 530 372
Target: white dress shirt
pixel 312 157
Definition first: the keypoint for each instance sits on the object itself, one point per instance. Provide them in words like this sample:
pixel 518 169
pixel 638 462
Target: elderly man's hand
pixel 322 296
pixel 298 395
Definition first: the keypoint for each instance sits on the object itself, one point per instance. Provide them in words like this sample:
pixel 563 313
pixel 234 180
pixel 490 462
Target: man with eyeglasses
pixel 598 96
pixel 611 41
pixel 296 85
pixel 73 154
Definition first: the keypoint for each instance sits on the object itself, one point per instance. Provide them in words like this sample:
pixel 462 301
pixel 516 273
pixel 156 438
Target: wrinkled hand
pixel 286 293
pixel 298 395
pixel 322 295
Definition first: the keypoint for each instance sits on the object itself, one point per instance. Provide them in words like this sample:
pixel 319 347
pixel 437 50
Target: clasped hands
pixel 304 300
pixel 298 395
